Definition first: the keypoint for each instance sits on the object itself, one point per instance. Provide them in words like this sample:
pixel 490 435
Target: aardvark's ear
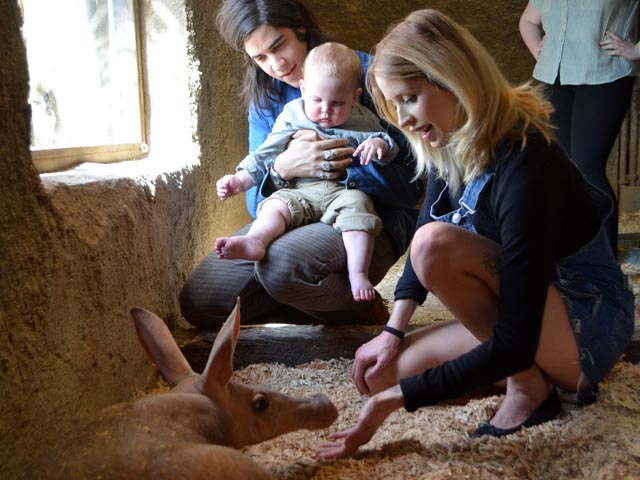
pixel 219 367
pixel 160 346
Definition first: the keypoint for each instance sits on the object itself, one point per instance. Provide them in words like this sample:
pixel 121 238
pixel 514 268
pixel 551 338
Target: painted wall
pixel 79 249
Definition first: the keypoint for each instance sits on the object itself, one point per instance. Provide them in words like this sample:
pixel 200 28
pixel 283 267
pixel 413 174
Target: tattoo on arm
pixel 491 264
pixel 395 389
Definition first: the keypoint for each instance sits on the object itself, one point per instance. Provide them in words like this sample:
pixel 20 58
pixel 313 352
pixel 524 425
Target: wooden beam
pixel 294 345
pixel 290 345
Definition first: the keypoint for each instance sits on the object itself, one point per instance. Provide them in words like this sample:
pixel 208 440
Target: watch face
pixel 277 179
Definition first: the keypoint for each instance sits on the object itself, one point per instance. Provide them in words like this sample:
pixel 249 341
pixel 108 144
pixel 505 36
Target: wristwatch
pixel 277 179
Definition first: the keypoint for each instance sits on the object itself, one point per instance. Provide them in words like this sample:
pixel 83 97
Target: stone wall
pixel 79 249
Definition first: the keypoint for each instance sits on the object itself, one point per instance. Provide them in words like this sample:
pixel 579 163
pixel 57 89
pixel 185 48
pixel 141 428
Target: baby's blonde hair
pixel 428 44
pixel 335 60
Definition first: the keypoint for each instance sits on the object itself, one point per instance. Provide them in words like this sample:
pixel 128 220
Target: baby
pixel 330 88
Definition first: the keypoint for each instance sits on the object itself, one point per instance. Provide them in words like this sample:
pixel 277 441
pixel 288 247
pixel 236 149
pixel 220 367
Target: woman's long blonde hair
pixel 429 44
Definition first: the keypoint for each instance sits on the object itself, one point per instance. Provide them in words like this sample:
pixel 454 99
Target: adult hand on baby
pixel 305 157
pixel 615 45
pixel 370 149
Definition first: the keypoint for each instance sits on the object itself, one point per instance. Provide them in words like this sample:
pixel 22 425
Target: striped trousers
pixel 304 269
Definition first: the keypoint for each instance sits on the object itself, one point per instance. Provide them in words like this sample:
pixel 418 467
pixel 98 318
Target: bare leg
pixel 449 260
pixel 272 221
pixel 557 363
pixel 359 247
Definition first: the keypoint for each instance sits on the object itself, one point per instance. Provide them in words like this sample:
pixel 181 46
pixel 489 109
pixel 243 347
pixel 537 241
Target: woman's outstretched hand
pixel 373 414
pixel 310 156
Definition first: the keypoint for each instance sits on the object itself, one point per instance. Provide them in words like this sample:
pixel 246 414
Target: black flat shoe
pixel 547 410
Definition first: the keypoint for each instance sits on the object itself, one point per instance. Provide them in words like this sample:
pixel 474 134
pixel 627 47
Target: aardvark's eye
pixel 259 402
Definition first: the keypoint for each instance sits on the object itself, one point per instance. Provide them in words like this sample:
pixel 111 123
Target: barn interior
pixel 84 243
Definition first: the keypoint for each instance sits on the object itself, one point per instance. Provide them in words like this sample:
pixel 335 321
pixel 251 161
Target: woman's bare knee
pixel 443 254
pixel 430 250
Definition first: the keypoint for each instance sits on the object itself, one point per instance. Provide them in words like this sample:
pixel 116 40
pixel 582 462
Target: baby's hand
pixel 228 186
pixel 371 148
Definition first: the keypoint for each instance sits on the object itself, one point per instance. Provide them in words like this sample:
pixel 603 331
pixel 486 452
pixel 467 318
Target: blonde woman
pixel 507 239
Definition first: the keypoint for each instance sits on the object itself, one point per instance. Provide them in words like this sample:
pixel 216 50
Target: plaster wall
pixel 78 249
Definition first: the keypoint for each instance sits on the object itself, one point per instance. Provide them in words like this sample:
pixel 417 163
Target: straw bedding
pixel 601 441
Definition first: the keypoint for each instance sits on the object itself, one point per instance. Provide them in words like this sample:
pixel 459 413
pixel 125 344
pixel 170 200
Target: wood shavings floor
pixel 599 441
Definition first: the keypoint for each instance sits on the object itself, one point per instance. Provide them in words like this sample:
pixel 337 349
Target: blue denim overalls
pixel 462 215
pixel 599 305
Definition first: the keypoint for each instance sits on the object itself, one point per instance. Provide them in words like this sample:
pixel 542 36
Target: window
pixel 85 88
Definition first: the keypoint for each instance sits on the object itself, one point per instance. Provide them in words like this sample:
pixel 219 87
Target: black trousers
pixel 588 118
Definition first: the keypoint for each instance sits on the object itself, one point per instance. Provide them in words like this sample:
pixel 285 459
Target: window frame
pixel 48 160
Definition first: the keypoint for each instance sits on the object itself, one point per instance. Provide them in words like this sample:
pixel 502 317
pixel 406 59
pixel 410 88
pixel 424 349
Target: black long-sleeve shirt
pixel 539 208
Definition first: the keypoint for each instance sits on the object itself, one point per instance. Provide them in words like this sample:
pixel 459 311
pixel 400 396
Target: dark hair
pixel 238 19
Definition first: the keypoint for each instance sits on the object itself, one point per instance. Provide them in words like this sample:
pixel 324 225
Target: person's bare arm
pixel 531 29
pixel 231 185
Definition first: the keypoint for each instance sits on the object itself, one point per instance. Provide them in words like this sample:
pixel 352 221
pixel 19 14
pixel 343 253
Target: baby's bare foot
pixel 244 247
pixel 361 288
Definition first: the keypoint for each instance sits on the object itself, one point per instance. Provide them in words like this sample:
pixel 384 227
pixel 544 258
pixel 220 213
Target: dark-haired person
pixel 306 268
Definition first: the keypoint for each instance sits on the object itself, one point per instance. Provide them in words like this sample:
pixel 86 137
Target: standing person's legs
pixel 598 112
pixel 561 97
